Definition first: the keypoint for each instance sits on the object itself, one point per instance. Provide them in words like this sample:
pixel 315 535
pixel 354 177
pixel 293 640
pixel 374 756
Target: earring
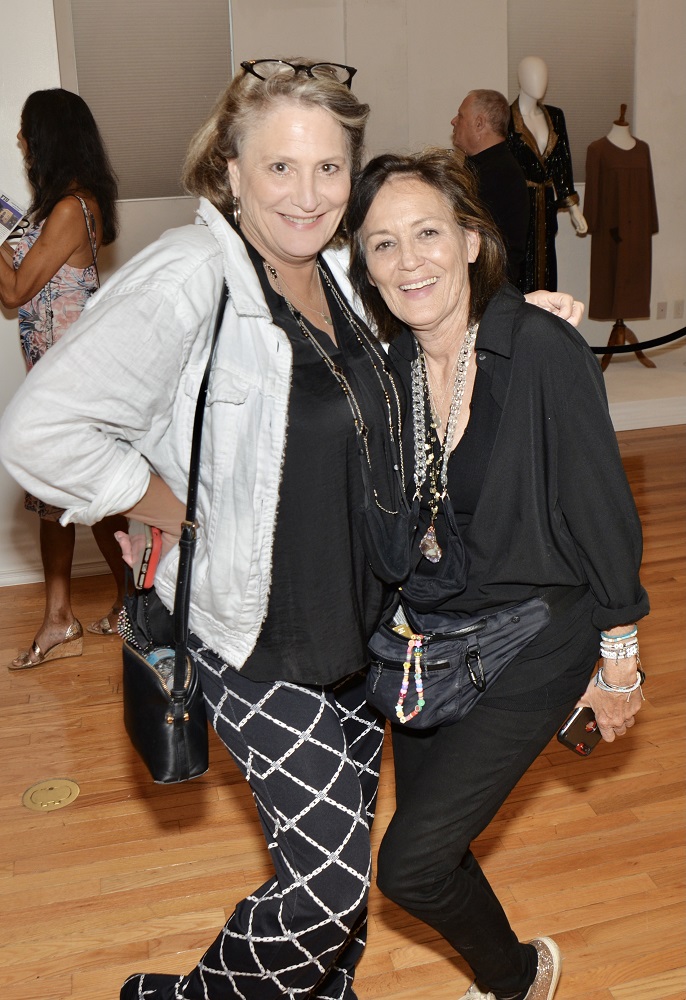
pixel 237 212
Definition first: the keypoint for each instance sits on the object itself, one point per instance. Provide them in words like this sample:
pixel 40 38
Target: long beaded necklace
pixel 425 461
pixel 338 373
pixel 380 364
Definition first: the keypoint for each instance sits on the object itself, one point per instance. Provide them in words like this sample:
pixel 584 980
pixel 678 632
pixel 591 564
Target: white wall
pixel 414 57
pixel 661 121
pixel 416 60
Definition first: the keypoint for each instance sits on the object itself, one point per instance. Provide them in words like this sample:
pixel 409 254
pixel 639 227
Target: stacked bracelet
pixel 631 634
pixel 619 647
pixel 618 651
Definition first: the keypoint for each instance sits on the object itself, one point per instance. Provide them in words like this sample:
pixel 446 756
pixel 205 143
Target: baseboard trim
pixel 641 413
pixel 34 574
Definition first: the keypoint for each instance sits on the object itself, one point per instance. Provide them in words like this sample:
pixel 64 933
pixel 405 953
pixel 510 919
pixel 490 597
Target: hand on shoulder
pixel 561 304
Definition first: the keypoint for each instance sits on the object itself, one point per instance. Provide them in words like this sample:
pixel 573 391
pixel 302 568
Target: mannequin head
pixel 533 77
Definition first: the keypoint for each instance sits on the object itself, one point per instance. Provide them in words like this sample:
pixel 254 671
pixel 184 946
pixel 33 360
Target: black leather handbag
pixel 164 709
pixel 450 661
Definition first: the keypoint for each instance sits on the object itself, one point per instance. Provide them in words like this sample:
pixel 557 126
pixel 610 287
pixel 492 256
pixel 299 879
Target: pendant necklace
pixel 426 462
pixel 340 376
pixel 279 281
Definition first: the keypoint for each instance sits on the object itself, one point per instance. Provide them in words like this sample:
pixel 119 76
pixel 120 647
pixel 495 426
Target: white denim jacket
pixel 116 396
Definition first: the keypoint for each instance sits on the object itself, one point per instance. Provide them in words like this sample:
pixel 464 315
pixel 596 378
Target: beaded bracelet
pixel 617 688
pixel 618 651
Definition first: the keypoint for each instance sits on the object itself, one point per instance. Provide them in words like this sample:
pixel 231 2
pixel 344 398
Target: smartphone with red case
pixel 580 732
pixel 146 543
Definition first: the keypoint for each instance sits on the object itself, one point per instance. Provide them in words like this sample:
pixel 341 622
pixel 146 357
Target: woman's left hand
pixel 561 304
pixel 615 713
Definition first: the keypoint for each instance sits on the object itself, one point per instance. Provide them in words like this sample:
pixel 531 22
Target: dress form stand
pixel 619 335
pixel 620 136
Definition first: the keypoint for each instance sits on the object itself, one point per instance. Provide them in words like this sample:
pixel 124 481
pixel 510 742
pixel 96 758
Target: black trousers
pixel 450 783
pixel 311 757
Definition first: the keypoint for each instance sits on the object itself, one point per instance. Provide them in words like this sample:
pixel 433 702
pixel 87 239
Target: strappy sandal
pixel 71 645
pixel 103 626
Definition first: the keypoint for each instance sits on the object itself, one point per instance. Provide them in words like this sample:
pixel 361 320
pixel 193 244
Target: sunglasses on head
pixel 264 69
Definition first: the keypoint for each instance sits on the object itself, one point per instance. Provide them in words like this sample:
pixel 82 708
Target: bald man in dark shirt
pixel 480 130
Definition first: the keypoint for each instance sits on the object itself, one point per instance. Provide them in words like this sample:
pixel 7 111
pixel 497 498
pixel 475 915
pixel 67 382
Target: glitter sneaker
pixel 474 993
pixel 548 972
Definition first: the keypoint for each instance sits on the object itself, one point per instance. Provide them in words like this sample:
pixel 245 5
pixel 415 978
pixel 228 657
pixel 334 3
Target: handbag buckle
pixel 170 718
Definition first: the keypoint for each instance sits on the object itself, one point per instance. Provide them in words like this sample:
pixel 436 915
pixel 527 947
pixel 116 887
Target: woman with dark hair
pixel 50 276
pixel 522 495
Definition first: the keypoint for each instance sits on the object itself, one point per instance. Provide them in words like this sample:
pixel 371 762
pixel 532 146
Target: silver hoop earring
pixel 237 212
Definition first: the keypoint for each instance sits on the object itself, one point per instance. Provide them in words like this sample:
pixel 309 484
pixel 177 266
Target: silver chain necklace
pixel 436 406
pixel 281 283
pixel 425 464
pixel 340 376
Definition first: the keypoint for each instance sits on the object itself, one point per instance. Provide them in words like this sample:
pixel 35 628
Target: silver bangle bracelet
pixel 619 689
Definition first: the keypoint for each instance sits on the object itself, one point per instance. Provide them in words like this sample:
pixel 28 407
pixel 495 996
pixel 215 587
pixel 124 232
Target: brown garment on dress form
pixel 621 212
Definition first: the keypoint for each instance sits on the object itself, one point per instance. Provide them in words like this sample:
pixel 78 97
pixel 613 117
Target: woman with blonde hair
pixel 303 523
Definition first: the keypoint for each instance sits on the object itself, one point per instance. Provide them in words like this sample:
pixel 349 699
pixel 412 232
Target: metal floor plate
pixel 49 794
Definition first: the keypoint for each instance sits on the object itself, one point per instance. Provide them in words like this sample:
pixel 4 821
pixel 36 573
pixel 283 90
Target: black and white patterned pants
pixel 311 756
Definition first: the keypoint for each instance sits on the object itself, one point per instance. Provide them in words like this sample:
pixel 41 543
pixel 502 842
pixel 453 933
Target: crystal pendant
pixel 429 546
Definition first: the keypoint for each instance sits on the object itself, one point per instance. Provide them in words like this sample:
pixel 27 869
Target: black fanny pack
pixel 431 669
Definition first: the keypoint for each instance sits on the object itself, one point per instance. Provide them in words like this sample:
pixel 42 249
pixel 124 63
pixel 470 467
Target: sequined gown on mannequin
pixel 551 187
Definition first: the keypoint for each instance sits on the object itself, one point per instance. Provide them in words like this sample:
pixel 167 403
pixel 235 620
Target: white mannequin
pixel 620 133
pixel 533 83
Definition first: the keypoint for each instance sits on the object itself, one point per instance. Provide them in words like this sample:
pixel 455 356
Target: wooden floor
pixel 135 877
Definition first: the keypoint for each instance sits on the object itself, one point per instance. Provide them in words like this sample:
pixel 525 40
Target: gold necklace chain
pixel 338 373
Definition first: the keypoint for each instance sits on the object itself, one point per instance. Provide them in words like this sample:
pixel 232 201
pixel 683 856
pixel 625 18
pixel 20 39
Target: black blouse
pixel 325 600
pixel 539 492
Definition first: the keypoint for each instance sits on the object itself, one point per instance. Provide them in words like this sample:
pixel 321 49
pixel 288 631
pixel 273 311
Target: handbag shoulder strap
pixel 189 527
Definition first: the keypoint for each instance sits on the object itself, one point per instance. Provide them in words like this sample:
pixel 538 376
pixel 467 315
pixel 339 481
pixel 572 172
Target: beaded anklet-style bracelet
pixel 415 648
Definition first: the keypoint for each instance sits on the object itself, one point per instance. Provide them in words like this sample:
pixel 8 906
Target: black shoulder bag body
pixel 164 710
